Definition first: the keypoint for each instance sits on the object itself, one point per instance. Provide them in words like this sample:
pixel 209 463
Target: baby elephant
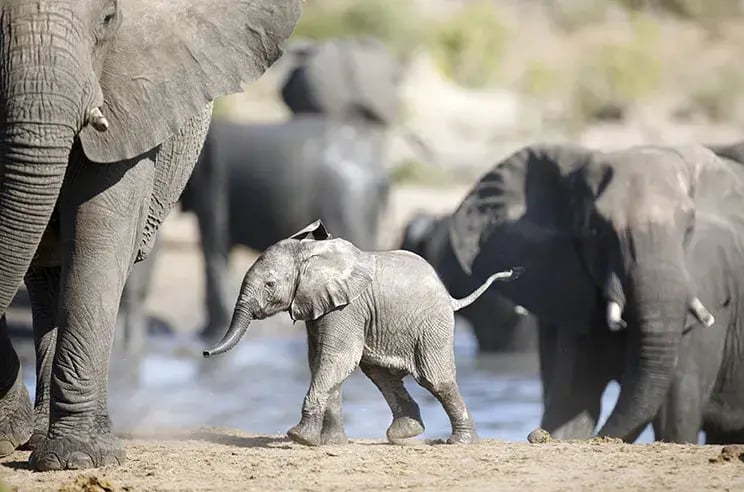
pixel 386 312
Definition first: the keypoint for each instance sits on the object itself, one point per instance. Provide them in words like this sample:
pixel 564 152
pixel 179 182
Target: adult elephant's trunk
pixel 41 109
pixel 241 320
pixel 657 312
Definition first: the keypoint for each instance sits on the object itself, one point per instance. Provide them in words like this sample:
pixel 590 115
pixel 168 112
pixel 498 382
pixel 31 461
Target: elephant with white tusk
pixel 635 269
pixel 386 312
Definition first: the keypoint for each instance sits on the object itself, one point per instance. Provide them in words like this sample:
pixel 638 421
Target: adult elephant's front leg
pixel 574 386
pixel 102 208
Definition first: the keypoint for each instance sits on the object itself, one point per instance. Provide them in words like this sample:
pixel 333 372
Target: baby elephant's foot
pixel 307 434
pixel 463 437
pixel 16 417
pixel 72 453
pixel 404 428
pixel 335 436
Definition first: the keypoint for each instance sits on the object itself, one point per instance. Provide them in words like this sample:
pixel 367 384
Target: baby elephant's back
pixel 407 283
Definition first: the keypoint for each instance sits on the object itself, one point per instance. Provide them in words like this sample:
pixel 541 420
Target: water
pixel 260 385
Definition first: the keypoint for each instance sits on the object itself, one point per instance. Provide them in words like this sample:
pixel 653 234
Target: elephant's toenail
pixel 79 461
pixel 48 462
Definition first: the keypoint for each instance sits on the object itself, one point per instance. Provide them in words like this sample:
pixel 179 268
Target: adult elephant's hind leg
pixel 407 421
pixel 103 209
pixel 16 417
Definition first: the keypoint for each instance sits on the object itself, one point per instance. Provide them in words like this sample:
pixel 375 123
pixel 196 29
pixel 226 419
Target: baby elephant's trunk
pixel 511 274
pixel 241 320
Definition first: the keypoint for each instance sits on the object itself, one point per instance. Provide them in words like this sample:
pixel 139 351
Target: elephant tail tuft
pixel 506 275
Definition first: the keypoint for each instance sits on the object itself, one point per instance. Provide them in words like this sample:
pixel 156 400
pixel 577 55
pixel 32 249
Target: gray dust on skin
pixel 257 386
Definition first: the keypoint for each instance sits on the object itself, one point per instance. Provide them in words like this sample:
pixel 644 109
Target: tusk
pixel 701 313
pixel 97 120
pixel 520 310
pixel 614 320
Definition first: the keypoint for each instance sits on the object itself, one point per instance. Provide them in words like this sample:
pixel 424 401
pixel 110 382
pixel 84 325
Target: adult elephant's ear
pixel 332 274
pixel 170 58
pixel 521 213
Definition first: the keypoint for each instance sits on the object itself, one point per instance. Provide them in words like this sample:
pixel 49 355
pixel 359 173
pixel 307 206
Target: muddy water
pixel 259 387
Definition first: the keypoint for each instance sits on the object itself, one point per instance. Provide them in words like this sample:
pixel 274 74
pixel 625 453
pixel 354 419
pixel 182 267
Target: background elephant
pixel 104 109
pixel 386 312
pixel 498 324
pixel 346 79
pixel 645 238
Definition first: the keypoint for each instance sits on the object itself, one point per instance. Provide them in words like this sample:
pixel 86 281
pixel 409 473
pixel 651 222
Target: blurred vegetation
pixel 688 9
pixel 388 20
pixel 616 74
pixel 466 46
pixel 469 46
pixel 412 171
pixel 719 98
pixel 4 487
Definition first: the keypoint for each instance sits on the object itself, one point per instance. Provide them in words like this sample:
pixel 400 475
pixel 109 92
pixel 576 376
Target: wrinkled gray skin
pixel 650 229
pixel 104 106
pixel 385 312
pixel 256 184
pixel 498 324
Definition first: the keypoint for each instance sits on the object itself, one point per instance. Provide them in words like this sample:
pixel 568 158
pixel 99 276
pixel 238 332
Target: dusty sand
pixel 221 459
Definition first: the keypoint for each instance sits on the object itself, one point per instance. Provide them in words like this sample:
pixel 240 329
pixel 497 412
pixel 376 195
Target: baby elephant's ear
pixel 316 230
pixel 332 274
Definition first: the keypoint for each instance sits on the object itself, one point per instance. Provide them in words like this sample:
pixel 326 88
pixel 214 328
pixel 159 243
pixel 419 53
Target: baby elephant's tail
pixel 510 274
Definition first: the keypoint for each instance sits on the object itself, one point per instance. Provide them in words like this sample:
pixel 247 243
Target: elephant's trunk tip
pixel 238 327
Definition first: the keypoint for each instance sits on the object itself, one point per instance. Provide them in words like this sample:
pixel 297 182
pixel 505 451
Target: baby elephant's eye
pixel 270 284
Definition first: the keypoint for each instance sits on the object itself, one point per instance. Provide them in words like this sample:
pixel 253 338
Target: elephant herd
pixel 631 259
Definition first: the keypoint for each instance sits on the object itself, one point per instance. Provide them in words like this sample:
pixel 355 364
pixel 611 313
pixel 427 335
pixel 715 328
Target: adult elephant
pixel 498 324
pixel 285 175
pixel 104 107
pixel 623 251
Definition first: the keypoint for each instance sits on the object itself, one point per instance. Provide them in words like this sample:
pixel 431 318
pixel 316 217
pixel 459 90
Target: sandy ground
pixel 220 459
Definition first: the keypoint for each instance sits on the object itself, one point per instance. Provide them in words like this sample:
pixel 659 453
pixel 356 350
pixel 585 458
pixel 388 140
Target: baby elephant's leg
pixel 437 374
pixel 335 360
pixel 333 420
pixel 407 421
